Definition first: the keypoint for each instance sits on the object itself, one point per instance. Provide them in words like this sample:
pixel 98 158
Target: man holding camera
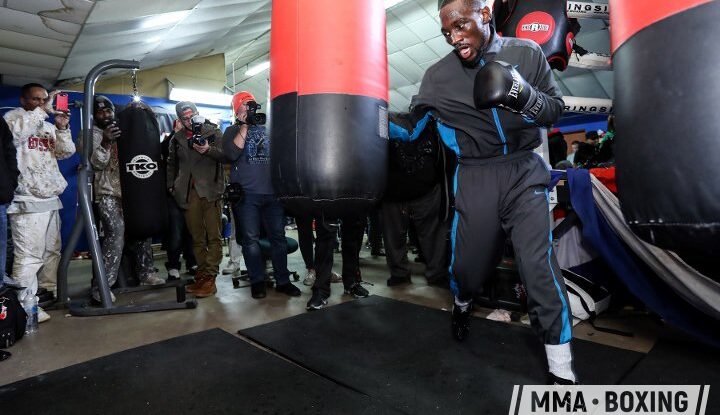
pixel 247 147
pixel 196 179
pixel 108 197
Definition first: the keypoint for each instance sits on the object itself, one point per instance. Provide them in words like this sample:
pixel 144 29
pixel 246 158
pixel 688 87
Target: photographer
pixel 247 147
pixel 196 179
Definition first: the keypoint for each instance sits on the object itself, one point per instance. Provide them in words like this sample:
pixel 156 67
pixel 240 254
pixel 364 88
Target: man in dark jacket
pixel 416 191
pixel 177 240
pixel 196 179
pixel 247 148
pixel 8 182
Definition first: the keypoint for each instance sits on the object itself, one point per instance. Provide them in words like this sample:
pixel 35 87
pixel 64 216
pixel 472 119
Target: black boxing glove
pixel 498 84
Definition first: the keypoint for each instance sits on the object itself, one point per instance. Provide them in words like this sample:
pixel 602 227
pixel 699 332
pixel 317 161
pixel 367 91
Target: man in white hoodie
pixel 33 214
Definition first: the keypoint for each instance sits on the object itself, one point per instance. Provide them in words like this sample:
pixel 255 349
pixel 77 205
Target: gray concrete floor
pixel 66 340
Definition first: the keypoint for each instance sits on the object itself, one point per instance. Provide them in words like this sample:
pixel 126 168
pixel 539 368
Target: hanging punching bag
pixel 543 21
pixel 329 94
pixel 142 181
pixel 666 114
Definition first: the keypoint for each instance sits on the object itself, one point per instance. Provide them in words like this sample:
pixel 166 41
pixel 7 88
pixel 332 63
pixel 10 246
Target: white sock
pixel 462 305
pixel 560 360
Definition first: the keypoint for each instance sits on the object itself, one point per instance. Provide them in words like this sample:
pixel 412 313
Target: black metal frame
pixel 86 221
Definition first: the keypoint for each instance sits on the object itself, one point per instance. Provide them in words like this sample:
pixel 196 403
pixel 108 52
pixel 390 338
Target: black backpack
pixel 12 318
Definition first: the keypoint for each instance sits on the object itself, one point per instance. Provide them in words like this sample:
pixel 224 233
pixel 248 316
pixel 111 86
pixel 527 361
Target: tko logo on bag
pixel 537 26
pixel 141 166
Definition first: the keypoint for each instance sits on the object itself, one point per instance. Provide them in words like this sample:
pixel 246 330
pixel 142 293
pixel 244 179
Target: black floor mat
pixel 403 354
pixel 211 372
pixel 680 362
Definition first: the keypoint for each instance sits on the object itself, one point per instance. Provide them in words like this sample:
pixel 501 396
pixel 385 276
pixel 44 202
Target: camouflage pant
pixel 111 216
pixel 37 250
pixel 143 256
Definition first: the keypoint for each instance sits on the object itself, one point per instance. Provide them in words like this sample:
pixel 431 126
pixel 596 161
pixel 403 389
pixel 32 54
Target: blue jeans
pixel 3 242
pixel 252 212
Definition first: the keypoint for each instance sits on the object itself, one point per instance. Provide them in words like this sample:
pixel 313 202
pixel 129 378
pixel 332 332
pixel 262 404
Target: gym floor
pixel 67 340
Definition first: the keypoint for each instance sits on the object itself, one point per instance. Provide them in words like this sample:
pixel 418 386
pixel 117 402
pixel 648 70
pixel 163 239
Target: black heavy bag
pixel 544 21
pixel 329 92
pixel 142 179
pixel 666 115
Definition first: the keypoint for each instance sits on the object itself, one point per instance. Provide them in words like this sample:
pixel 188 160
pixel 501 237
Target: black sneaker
pixel 393 281
pixel 357 291
pixel 257 290
pixel 556 380
pixel 317 301
pixel 289 289
pixel 461 322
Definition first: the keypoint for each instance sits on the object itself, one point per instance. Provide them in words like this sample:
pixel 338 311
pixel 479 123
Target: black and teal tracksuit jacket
pixel 500 185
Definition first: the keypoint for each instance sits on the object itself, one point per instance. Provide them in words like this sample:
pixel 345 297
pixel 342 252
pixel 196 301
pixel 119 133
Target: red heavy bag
pixel 329 92
pixel 665 57
pixel 543 21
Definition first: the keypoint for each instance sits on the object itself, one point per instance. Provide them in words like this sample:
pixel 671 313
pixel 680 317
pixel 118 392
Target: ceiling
pixel 54 40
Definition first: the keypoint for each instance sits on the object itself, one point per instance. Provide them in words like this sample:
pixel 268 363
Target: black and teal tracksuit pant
pixel 507 195
pixel 499 190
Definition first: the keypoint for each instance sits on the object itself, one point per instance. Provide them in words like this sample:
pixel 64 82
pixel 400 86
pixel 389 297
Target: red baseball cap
pixel 241 98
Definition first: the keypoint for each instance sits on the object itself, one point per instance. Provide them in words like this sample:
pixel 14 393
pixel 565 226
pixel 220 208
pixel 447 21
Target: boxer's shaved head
pixel 470 3
pixel 465 26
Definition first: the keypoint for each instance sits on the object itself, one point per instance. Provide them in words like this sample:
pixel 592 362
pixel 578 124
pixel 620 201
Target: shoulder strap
pixel 593 315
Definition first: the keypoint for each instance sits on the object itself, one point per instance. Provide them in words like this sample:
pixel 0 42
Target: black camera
pixel 253 117
pixel 196 128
